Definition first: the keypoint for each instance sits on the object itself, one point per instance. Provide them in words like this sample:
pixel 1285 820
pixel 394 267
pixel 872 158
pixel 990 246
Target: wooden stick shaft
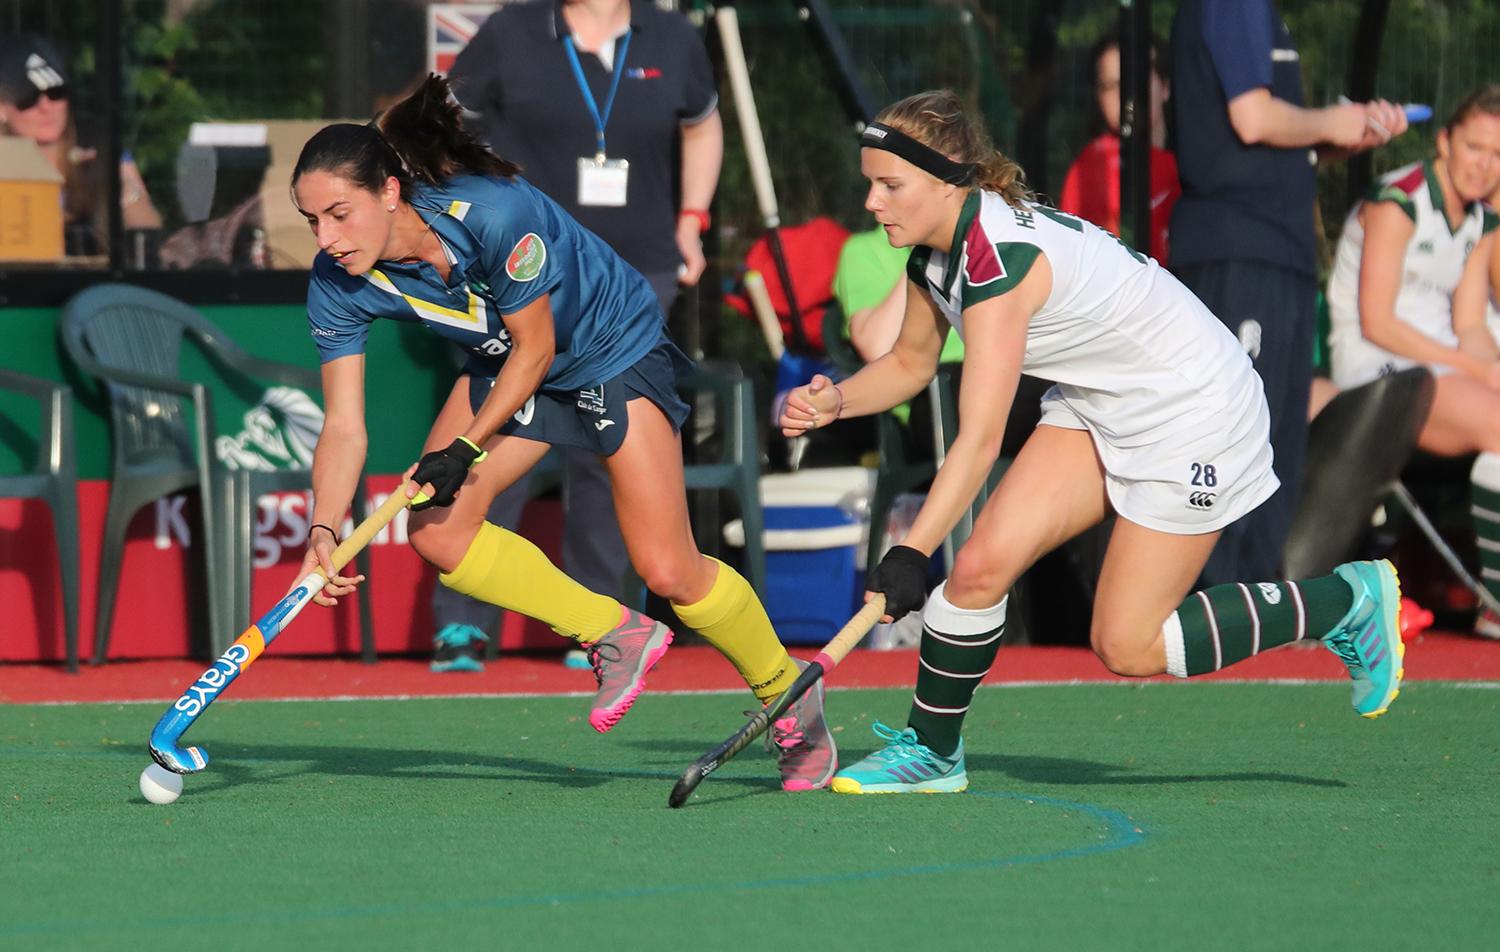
pixel 765 313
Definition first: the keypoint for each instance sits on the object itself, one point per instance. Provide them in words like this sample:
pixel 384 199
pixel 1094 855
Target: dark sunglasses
pixel 30 100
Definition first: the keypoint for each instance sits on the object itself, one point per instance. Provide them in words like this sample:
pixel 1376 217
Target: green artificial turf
pixel 1159 817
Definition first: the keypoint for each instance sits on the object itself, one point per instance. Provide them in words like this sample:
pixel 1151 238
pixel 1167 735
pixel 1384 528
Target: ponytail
pixel 420 139
pixel 1004 175
pixel 937 120
pixel 426 130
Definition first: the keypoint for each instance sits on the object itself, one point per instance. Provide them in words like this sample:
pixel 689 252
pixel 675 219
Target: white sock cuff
pixel 1171 636
pixel 943 616
pixel 1486 472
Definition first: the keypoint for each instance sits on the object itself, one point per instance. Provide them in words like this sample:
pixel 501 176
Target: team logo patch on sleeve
pixel 983 264
pixel 526 258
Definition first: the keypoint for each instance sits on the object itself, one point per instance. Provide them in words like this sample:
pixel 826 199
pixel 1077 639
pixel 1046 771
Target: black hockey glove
pixel 446 469
pixel 902 577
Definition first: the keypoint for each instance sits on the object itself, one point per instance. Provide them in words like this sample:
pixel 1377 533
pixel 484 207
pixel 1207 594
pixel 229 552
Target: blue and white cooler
pixel 817 523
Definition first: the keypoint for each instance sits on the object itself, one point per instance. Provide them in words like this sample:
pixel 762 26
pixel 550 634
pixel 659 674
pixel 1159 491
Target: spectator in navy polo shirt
pixel 1243 232
pixel 592 98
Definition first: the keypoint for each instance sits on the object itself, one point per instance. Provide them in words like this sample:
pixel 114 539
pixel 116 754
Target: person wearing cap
pixel 34 104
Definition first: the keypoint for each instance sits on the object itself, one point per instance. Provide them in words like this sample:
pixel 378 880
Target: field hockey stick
pixel 1414 510
pixel 167 734
pixel 728 22
pixel 765 313
pixel 833 652
pixel 787 366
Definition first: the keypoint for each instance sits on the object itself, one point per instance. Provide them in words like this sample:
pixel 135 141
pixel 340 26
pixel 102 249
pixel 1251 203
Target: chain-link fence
pixel 1022 64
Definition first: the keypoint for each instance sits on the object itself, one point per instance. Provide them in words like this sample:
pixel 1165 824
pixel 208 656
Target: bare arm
pixel 340 454
pixel 1495 263
pixel 1259 118
pixel 135 201
pixel 337 461
pixel 1470 300
pixel 901 373
pixel 533 345
pixel 1388 230
pixel 873 330
pixel 702 157
pixel 1383 122
pixel 893 378
pixel 995 348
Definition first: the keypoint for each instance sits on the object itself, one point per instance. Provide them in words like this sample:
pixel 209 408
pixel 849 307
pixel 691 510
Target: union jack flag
pixel 450 27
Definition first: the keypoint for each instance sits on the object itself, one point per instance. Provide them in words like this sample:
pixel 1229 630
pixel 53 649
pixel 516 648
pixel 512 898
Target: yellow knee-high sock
pixel 506 570
pixel 734 621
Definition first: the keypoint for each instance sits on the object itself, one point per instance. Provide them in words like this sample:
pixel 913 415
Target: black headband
pixel 878 135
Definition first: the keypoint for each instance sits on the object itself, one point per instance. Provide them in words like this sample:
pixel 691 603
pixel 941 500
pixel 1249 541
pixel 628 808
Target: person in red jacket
pixel 1092 188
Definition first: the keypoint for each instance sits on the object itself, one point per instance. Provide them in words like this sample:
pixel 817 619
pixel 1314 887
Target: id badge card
pixel 602 181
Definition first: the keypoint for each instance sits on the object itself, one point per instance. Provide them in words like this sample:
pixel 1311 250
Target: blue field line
pixel 1120 832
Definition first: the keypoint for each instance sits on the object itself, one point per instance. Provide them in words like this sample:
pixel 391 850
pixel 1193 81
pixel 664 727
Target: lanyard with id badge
pixel 602 181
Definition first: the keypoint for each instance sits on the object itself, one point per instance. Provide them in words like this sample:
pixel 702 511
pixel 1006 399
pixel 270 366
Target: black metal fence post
pixel 1135 123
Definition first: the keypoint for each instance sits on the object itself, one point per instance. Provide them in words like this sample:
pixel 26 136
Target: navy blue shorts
pixel 594 418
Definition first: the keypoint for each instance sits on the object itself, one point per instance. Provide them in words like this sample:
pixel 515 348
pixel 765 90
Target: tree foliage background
pixel 1434 52
pixel 196 60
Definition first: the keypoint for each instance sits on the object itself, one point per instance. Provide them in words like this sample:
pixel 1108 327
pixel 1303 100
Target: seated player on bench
pixel 1410 282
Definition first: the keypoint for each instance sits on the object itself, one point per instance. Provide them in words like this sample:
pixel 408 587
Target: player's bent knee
pixel 976 581
pixel 1125 655
pixel 435 545
pixel 672 578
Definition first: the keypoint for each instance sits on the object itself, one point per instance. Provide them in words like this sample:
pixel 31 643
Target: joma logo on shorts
pixel 1201 500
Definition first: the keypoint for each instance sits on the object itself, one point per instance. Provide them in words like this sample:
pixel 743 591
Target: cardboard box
pixel 31 220
pixel 289 242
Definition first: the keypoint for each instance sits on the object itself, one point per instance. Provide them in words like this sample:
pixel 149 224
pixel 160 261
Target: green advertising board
pixel 408 374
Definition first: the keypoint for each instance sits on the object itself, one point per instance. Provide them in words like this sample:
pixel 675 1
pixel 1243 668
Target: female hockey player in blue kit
pixel 418 221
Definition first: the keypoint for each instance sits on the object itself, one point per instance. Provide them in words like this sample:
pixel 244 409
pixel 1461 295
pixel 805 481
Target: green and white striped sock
pixel 1484 481
pixel 1220 626
pixel 958 648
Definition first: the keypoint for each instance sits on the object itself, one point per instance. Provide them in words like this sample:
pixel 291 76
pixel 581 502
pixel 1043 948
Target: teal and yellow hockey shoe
pixel 1368 638
pixel 904 765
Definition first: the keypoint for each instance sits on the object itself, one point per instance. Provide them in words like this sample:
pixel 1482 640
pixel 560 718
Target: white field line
pixel 490 695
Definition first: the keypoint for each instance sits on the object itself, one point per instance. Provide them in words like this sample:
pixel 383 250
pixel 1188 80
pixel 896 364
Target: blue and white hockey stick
pixel 167 735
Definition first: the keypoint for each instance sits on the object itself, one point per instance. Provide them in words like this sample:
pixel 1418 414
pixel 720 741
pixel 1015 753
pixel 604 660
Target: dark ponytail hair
pixel 420 139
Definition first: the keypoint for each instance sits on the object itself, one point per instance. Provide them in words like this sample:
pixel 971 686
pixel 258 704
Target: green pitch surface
pixel 1100 817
